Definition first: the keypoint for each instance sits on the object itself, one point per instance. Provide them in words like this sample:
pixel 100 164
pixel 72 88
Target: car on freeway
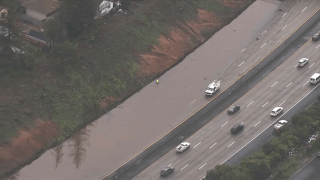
pixel 276 111
pixel 233 109
pixel 182 147
pixel 280 124
pixel 237 128
pixel 303 62
pixel 166 171
pixel 316 36
pixel 318 154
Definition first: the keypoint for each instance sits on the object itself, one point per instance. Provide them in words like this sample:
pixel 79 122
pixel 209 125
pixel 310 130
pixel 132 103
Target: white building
pixel 37 11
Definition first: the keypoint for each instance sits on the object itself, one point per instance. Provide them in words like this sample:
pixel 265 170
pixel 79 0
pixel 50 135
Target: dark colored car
pixel 237 128
pixel 233 109
pixel 316 37
pixel 166 171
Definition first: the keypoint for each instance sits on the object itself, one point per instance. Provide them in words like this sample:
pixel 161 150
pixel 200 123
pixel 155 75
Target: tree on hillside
pixel 12 6
pixel 77 15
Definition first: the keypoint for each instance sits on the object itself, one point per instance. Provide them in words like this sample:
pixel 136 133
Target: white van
pixel 315 78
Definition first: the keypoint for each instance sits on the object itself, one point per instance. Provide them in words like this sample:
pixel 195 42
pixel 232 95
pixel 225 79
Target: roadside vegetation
pixel 91 65
pixel 279 158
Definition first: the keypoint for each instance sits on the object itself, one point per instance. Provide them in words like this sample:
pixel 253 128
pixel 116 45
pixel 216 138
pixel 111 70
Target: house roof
pixel 41 6
pixel 37 35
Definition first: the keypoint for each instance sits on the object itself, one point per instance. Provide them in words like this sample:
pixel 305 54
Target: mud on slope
pixel 182 39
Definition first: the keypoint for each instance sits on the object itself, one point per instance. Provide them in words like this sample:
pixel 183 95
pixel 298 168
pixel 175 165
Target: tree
pixel 12 6
pixel 78 16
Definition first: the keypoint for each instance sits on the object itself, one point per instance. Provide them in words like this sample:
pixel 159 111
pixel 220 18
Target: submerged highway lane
pixel 214 144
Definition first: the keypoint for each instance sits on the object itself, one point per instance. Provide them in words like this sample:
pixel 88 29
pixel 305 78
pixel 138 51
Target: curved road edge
pixel 136 160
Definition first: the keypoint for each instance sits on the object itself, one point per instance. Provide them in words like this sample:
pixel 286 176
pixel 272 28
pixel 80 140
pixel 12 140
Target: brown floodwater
pixel 126 130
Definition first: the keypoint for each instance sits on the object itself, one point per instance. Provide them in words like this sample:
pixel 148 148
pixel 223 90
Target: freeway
pixel 214 144
pixel 310 171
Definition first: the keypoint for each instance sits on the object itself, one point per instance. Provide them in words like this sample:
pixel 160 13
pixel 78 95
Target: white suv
pixel 276 111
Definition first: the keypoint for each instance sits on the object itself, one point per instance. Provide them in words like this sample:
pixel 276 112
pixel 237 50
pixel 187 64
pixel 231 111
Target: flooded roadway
pixel 146 116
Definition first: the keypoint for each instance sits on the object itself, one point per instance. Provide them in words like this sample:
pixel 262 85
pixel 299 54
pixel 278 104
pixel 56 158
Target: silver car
pixel 303 62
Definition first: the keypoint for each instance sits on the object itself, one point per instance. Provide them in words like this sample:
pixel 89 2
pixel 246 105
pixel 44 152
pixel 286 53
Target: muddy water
pixel 126 130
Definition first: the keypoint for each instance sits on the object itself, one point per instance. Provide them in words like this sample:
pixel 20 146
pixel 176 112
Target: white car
pixel 280 124
pixel 276 111
pixel 182 147
pixel 303 62
pixel 212 88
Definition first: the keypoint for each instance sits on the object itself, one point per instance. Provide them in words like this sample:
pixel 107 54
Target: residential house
pixel 37 11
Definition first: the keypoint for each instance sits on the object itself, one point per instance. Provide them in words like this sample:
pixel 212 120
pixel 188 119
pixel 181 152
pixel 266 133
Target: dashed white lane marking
pixel 196 145
pixel 270 125
pixel 170 164
pixel 304 9
pixel 265 104
pixel 243 50
pixel 193 101
pixel 203 177
pixel 183 167
pixel 317 46
pixel 242 122
pixel 295 66
pixel 311 65
pixel 224 124
pixel 212 145
pixel 241 63
pixel 282 102
pixel 289 84
pixel 250 104
pixel 264 32
pixel 305 83
pixel 202 166
pixel 274 84
pixel 231 144
pixel 284 14
pixel 257 123
pixel 263 45
pixel 284 26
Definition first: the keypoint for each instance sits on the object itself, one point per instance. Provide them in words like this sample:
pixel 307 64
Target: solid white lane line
pixel 243 50
pixel 311 65
pixel 212 145
pixel 270 125
pixel 224 124
pixel 257 123
pixel 193 101
pixel 282 102
pixel 304 9
pixel 265 104
pixel 285 26
pixel 241 63
pixel 284 14
pixel 274 84
pixel 231 144
pixel 202 166
pixel 295 66
pixel 250 104
pixel 317 46
pixel 289 84
pixel 196 145
pixel 263 45
pixel 305 83
pixel 183 167
pixel 264 32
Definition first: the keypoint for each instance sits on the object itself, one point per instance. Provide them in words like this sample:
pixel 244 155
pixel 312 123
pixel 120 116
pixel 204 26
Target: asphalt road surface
pixel 310 172
pixel 214 144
